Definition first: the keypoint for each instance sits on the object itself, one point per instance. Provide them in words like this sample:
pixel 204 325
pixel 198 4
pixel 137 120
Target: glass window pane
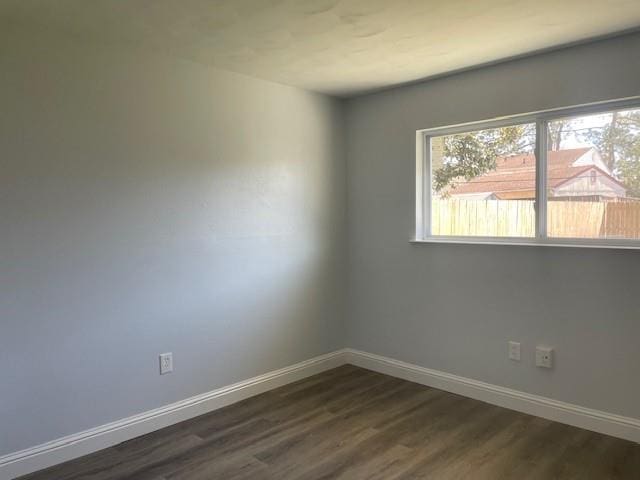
pixel 593 176
pixel 484 183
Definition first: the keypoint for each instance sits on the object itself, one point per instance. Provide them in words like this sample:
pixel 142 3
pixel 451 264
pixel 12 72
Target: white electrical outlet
pixel 514 351
pixel 166 363
pixel 544 357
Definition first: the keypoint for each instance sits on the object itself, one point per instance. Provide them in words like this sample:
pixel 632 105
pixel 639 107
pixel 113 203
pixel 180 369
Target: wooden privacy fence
pixel 516 218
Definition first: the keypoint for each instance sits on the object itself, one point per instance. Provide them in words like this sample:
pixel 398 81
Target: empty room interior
pixel 319 239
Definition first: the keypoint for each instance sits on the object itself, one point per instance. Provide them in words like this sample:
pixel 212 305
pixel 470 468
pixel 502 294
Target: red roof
pixel 518 172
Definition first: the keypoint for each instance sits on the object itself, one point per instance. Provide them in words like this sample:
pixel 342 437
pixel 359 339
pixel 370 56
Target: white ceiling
pixel 340 47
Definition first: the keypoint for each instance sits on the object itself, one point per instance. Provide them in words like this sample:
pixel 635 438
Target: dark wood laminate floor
pixel 351 423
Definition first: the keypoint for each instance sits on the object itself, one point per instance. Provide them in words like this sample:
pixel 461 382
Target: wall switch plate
pixel 166 363
pixel 544 357
pixel 514 351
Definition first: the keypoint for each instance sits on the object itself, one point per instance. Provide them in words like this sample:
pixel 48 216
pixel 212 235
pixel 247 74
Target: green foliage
pixel 619 145
pixel 629 172
pixel 469 155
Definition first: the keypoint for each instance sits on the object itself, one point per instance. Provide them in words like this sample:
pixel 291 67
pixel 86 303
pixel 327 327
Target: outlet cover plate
pixel 544 357
pixel 514 351
pixel 166 363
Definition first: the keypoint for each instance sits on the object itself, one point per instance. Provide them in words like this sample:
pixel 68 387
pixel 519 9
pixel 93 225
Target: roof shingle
pixel 518 172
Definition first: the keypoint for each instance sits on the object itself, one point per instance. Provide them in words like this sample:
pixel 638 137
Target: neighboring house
pixel 574 174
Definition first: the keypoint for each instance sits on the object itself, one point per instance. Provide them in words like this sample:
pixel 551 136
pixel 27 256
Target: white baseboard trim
pixel 73 446
pixel 589 419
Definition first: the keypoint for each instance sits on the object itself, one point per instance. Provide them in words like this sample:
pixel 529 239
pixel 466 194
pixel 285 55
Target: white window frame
pixel 541 119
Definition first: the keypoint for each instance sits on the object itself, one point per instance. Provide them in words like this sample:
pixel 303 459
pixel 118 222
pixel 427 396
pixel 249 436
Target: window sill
pixel 532 242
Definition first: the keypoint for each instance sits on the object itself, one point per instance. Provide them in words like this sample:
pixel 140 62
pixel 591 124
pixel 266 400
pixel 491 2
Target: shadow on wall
pixel 220 270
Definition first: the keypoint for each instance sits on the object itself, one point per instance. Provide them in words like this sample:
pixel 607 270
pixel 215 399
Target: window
pixel 567 177
pixel 593 176
pixel 483 182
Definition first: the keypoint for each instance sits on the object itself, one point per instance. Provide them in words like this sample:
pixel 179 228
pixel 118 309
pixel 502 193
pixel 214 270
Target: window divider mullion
pixel 541 179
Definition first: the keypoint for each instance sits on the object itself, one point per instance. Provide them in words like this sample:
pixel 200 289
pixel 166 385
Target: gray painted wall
pixel 454 307
pixel 150 205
